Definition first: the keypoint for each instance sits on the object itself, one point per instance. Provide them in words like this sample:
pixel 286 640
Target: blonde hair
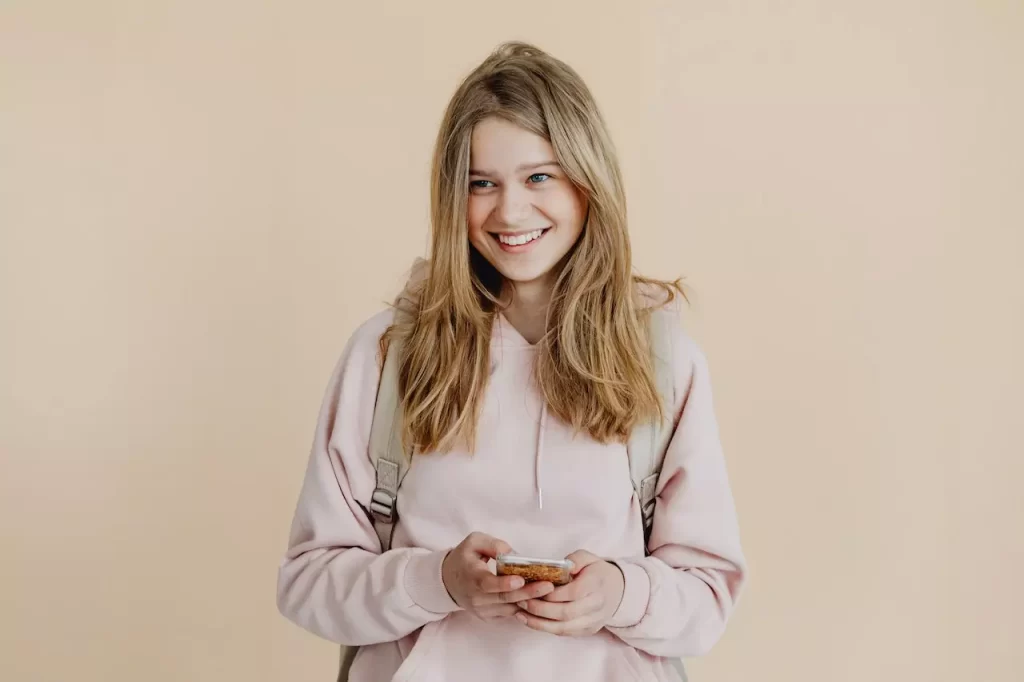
pixel 594 367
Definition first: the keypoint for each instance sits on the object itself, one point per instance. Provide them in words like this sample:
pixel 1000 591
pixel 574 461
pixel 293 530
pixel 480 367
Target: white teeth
pixel 519 240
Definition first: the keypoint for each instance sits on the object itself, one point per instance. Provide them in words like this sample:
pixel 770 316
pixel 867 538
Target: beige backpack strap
pixel 391 464
pixel 348 657
pixel 648 442
pixel 680 668
pixel 386 451
pixel 390 460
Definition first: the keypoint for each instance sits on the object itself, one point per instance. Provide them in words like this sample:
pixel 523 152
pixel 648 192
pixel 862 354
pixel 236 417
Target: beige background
pixel 200 200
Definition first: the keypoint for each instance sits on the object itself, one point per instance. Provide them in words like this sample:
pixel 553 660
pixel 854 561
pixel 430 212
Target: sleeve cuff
pixel 635 596
pixel 424 584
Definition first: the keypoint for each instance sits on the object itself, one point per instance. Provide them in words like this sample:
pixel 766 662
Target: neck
pixel 529 308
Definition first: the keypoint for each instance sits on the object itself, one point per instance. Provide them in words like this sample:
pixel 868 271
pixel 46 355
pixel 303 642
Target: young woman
pixel 525 365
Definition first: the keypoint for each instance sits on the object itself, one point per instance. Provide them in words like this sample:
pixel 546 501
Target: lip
pixel 519 232
pixel 519 248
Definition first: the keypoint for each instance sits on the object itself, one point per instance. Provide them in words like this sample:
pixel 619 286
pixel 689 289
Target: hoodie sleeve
pixel 334 581
pixel 678 599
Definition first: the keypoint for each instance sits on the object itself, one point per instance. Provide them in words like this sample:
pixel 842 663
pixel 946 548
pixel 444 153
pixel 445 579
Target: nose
pixel 514 206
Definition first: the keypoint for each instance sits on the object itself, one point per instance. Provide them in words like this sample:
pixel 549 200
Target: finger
pixel 534 590
pixel 574 591
pixel 581 558
pixel 487 545
pixel 497 611
pixel 488 583
pixel 553 627
pixel 544 609
pixel 579 626
pixel 562 611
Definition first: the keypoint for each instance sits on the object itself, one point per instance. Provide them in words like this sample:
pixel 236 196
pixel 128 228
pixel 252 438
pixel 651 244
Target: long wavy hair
pixel 594 366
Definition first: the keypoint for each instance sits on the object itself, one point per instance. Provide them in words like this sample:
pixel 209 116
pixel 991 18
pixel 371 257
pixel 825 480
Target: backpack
pixel 646 448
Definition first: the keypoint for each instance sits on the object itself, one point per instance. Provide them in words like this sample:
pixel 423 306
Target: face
pixel 524 213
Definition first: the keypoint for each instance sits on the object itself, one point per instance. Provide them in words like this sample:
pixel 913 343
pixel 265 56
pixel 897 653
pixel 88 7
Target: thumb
pixel 488 546
pixel 581 558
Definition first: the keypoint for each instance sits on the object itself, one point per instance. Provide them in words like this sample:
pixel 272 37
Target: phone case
pixel 556 571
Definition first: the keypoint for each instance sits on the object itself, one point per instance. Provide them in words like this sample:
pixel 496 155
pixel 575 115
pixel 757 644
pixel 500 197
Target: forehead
pixel 499 145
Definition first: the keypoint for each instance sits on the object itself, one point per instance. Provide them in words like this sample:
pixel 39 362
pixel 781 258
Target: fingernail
pixel 517 583
pixel 521 618
pixel 521 604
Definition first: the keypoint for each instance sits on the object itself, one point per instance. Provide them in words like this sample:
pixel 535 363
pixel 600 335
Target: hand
pixel 582 607
pixel 473 587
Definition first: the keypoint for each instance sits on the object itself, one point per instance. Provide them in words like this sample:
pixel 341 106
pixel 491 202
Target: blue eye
pixel 477 184
pixel 539 175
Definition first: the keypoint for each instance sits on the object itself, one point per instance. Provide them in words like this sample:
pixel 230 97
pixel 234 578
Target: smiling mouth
pixel 520 239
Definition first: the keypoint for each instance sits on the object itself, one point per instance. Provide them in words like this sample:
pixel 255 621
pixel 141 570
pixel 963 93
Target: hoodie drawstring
pixel 540 450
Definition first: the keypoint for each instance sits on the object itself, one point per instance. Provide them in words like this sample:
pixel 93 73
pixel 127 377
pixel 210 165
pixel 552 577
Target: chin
pixel 526 274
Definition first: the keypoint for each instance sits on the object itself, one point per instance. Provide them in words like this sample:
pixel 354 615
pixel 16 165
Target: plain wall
pixel 199 201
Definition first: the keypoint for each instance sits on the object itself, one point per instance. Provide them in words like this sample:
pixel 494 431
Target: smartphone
pixel 556 571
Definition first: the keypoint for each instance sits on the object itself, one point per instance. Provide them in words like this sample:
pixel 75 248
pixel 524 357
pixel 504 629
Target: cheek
pixel 569 210
pixel 476 216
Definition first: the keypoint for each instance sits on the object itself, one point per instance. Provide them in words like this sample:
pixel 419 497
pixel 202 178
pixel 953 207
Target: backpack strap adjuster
pixel 384 501
pixel 648 499
pixel 384 506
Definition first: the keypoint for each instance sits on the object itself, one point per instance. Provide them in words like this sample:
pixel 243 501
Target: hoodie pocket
pixel 458 649
pixel 413 663
pixel 649 668
pixel 633 665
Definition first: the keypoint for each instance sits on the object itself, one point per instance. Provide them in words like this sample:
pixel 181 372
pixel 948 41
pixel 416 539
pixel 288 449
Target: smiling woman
pixel 551 404
pixel 522 221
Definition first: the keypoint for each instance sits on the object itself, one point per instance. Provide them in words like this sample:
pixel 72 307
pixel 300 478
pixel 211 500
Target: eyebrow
pixel 525 166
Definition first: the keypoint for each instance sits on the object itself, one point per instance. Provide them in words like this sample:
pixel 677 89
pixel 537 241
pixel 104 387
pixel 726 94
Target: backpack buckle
pixel 384 506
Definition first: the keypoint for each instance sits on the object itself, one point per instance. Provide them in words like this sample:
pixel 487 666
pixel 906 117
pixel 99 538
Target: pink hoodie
pixel 539 488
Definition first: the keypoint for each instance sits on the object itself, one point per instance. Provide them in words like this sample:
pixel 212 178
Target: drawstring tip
pixel 540 499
